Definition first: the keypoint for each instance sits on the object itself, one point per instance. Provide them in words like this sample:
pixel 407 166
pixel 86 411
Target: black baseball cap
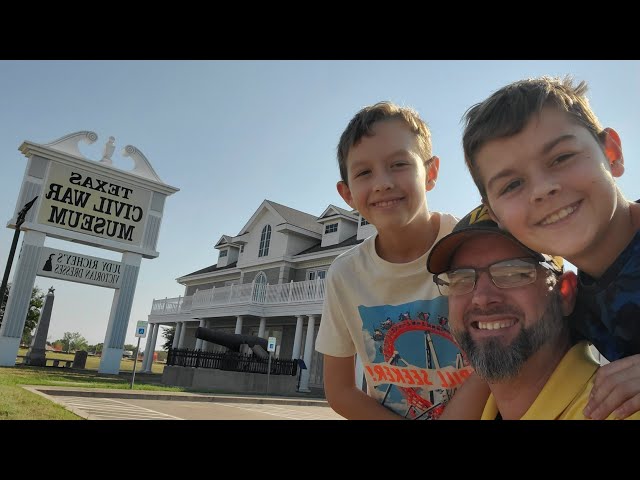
pixel 477 222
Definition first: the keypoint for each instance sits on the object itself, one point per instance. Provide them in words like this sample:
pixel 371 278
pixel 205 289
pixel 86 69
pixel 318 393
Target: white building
pixel 268 282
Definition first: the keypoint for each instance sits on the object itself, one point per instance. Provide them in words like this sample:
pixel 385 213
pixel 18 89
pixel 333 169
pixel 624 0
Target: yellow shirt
pixel 566 393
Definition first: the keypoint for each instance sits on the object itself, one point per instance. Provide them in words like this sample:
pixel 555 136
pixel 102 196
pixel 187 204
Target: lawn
pixel 93 362
pixel 19 404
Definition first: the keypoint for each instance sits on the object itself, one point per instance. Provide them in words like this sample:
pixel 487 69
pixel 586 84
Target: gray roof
pixel 352 214
pixel 297 218
pixel 212 268
pixel 345 243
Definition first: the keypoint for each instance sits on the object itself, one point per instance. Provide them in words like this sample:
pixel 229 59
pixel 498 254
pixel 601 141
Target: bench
pixel 50 362
pixel 59 363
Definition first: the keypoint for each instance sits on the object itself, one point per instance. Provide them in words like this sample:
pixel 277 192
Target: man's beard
pixel 494 361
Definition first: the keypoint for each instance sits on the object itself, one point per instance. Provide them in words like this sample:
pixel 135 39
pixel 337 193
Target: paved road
pixel 137 405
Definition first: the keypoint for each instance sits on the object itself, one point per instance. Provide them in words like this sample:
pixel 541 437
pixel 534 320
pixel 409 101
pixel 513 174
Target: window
pixel 223 253
pixel 333 227
pixel 265 239
pixel 316 274
pixel 241 248
pixel 260 287
pixel 363 222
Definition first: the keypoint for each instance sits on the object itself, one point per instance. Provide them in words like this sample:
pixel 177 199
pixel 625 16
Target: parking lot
pixel 128 405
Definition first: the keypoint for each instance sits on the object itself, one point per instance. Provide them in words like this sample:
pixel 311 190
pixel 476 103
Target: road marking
pixel 287 411
pixel 109 409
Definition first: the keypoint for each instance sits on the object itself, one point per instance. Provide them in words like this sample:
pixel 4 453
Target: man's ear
pixel 568 282
pixel 613 151
pixel 345 193
pixel 433 166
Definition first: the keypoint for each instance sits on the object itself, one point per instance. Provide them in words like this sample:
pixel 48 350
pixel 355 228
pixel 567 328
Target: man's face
pixel 551 185
pixel 500 328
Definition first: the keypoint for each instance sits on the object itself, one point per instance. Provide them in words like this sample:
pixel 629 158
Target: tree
pixel 168 333
pixel 33 314
pixel 73 341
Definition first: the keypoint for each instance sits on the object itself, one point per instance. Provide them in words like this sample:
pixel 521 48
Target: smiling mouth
pixel 494 325
pixel 386 203
pixel 560 214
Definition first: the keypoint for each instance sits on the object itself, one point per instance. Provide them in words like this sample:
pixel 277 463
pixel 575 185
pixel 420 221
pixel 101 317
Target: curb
pixel 48 391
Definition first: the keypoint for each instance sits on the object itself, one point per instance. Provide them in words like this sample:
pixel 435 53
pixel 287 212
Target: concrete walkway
pixel 103 404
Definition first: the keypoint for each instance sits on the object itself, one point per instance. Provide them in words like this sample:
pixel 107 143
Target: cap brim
pixel 439 259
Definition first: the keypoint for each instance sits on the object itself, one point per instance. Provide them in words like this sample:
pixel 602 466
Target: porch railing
pixel 259 293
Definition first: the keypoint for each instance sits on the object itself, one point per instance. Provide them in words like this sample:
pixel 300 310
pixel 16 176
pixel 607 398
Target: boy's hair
pixel 361 124
pixel 507 111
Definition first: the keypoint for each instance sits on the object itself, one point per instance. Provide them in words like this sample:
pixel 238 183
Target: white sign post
pixel 271 347
pixel 92 202
pixel 141 332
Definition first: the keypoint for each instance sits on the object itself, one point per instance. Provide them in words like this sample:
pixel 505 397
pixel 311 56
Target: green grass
pixel 93 362
pixel 17 403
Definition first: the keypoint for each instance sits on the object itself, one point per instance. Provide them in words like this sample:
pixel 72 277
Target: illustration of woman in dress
pixel 47 265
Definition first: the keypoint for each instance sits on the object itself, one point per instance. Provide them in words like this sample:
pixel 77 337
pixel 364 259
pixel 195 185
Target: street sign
pixel 141 329
pixel 271 344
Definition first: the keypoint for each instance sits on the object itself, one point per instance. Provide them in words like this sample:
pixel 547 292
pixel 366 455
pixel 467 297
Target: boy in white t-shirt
pixel 379 303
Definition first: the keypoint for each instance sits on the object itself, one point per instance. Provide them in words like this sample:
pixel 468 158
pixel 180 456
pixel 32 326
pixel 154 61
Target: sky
pixel 230 134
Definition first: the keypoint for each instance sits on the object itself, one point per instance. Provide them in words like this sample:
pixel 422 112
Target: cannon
pixel 232 341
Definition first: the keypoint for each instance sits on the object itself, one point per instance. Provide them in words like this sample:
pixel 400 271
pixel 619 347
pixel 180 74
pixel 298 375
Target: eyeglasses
pixel 515 272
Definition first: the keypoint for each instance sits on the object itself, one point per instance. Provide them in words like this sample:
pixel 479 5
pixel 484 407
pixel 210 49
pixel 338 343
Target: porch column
pixel 262 328
pixel 152 348
pixel 182 332
pixel 208 346
pixel 297 339
pixel 199 341
pixel 147 346
pixel 176 335
pixel 308 354
pixel 238 324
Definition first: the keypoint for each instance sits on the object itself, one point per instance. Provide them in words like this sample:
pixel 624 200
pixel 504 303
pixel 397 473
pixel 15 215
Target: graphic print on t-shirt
pixel 414 364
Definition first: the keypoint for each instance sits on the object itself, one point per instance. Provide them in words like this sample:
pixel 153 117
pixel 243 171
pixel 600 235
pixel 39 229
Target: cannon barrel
pixel 230 340
pixel 259 352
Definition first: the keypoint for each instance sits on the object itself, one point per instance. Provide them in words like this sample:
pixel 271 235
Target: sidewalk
pixel 302 400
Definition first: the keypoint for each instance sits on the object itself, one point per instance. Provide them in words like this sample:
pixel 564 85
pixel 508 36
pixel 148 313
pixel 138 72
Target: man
pixel 506 309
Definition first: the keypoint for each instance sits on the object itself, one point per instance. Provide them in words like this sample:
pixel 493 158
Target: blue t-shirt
pixel 607 309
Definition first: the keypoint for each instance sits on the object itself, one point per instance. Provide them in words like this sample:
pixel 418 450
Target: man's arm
pixel 345 397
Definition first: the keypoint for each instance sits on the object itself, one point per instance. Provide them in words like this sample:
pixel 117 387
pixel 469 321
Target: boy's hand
pixel 616 389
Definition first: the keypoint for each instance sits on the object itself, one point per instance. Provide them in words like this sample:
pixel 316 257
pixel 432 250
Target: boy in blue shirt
pixel 545 169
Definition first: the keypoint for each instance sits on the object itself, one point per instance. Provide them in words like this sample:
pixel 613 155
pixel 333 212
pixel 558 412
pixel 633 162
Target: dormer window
pixel 265 239
pixel 332 227
pixel 363 222
pixel 223 253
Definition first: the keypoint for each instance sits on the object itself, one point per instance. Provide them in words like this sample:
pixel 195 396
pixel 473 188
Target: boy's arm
pixel 616 389
pixel 345 397
pixel 468 401
pixel 334 341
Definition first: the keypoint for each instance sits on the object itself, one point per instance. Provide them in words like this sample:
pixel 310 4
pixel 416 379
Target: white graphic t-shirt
pixel 392 316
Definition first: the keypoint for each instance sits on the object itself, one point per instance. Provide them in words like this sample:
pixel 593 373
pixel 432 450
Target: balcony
pixel 310 291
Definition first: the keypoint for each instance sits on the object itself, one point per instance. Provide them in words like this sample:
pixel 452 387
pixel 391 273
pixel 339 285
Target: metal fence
pixel 230 361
